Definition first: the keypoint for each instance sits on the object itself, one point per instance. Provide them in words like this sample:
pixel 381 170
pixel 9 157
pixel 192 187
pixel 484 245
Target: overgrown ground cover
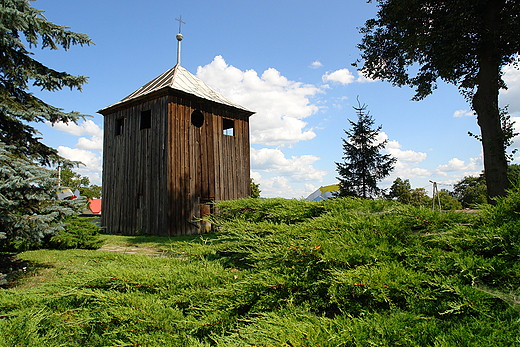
pixel 342 272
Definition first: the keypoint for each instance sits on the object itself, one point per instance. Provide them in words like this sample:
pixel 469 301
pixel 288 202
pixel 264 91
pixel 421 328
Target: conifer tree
pixel 364 166
pixel 254 189
pixel 29 208
pixel 23 28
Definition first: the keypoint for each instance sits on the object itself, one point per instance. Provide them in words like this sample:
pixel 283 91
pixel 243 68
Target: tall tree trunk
pixel 485 103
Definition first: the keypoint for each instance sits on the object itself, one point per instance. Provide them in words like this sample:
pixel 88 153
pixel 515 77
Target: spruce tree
pixel 23 28
pixel 29 208
pixel 363 166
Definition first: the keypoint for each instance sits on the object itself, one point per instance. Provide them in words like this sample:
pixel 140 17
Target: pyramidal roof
pixel 180 79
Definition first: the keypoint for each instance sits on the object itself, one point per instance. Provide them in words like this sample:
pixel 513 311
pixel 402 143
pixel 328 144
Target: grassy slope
pixel 284 273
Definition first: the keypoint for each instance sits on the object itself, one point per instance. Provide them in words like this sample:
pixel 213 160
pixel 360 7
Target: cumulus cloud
pixel 87 149
pixel 87 127
pixel 280 186
pixel 343 76
pixel 363 79
pixel 94 143
pixel 409 171
pixel 316 64
pixel 297 168
pixel 464 113
pixel 510 96
pixel 394 148
pixel 280 104
pixel 516 126
pixel 457 165
pixel 92 162
pixel 407 160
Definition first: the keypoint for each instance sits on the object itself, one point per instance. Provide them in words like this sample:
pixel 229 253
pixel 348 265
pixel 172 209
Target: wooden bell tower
pixel 170 148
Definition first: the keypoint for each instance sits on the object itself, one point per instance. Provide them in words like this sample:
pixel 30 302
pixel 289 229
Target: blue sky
pixel 289 61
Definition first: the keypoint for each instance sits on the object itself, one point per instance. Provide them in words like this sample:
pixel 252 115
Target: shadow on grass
pixel 159 240
pixel 13 270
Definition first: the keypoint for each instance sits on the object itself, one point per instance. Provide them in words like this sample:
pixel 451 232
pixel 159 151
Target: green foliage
pixel 29 208
pixel 513 173
pixel 447 201
pixel 19 71
pixel 77 233
pixel 419 197
pixel 401 191
pixel 441 37
pixel 339 272
pixel 255 189
pixel 275 210
pixel 91 192
pixel 363 166
pixel 73 180
pixel 466 43
pixel 471 191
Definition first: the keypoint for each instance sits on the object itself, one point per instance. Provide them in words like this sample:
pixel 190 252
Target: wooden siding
pixel 154 180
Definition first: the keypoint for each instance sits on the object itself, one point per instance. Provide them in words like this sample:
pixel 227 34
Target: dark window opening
pixel 146 119
pixel 228 127
pixel 197 118
pixel 120 126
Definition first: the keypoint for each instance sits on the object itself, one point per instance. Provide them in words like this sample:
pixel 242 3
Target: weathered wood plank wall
pixel 134 164
pixel 155 179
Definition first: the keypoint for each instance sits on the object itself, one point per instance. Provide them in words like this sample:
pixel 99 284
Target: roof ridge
pixel 180 79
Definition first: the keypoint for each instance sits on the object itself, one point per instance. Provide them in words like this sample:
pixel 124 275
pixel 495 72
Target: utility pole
pixel 435 193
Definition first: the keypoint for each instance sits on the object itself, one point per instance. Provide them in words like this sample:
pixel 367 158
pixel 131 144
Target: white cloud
pixel 280 104
pixel 510 96
pixel 394 148
pixel 280 186
pixel 87 149
pixel 255 175
pixel 88 127
pixel 92 162
pixel 95 142
pixel 408 170
pixel 457 165
pixel 343 76
pixel 407 160
pixel 464 113
pixel 363 79
pixel 316 64
pixel 297 168
pixel 516 139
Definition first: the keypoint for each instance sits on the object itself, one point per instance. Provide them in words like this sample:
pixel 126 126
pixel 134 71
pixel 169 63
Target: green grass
pixel 343 272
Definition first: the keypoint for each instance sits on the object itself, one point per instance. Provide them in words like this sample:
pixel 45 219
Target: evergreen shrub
pixel 340 272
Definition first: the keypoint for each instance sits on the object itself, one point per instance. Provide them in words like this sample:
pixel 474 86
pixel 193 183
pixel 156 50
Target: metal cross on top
pixel 180 22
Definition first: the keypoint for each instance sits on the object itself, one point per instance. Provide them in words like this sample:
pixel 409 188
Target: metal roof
pixel 179 78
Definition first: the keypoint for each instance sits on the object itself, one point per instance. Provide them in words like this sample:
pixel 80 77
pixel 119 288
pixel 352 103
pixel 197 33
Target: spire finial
pixel 179 39
pixel 180 22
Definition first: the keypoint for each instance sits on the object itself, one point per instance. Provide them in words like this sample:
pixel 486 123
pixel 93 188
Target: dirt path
pixel 132 250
